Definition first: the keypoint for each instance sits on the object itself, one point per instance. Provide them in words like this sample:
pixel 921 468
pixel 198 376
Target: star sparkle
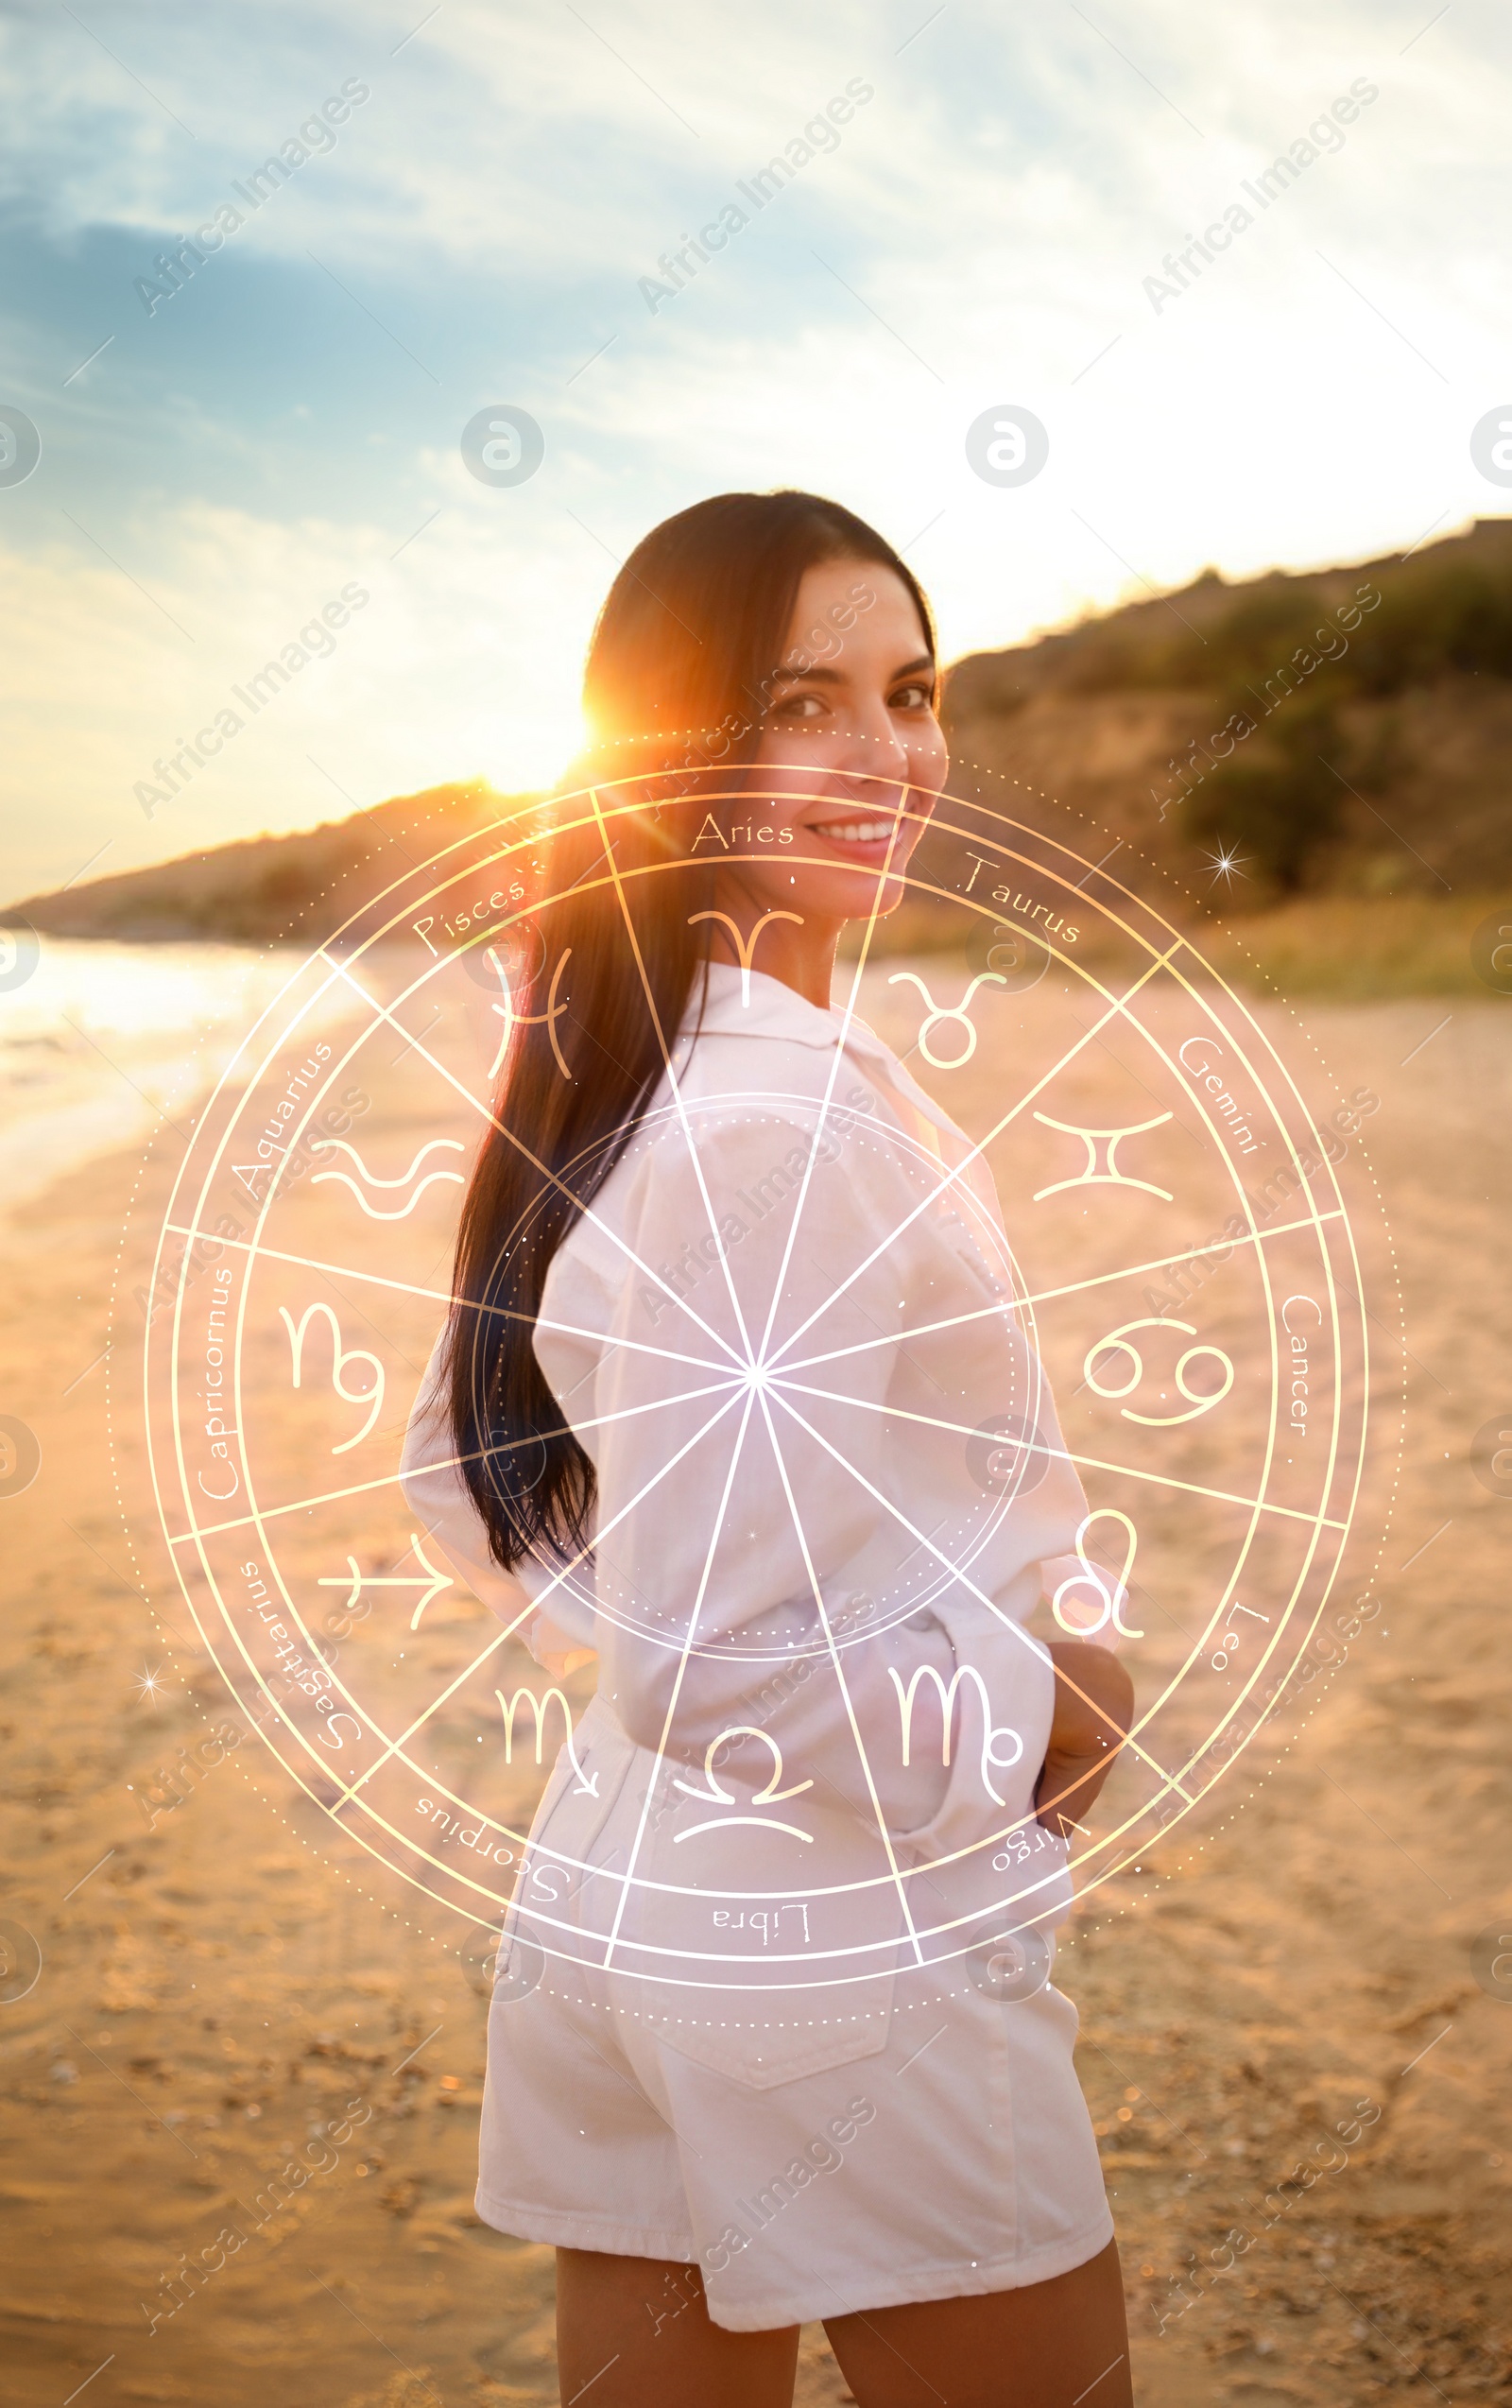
pixel 1226 866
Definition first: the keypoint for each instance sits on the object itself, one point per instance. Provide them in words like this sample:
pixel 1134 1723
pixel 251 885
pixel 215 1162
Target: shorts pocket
pixel 765 2040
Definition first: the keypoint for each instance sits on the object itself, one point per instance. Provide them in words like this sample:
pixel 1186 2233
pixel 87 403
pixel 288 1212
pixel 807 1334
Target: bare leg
pixel 1049 2346
pixel 634 2332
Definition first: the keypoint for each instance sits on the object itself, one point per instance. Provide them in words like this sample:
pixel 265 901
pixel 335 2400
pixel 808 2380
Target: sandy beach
pixel 1291 2061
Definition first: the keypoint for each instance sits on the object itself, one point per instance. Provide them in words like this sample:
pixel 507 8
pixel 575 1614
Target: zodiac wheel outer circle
pixel 1183 1259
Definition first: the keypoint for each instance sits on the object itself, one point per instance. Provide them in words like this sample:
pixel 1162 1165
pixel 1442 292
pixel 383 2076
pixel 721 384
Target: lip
pixel 870 852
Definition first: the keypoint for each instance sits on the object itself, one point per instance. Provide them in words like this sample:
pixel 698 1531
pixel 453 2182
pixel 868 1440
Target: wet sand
pixel 217 1990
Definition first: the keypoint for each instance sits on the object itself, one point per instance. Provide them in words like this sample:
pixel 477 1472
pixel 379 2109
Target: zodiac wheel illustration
pixel 1179 1258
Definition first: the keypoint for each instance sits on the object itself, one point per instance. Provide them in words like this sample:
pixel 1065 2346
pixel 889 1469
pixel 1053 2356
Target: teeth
pixel 857 832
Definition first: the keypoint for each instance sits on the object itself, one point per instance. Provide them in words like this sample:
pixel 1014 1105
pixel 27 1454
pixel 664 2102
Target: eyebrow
pixel 821 675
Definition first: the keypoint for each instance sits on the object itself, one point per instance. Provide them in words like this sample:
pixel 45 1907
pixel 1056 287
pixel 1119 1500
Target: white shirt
pixel 830 1480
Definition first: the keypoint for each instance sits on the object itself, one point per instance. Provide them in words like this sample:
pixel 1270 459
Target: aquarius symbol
pixel 744 948
pixel 771 1795
pixel 513 1019
pixel 372 1398
pixel 947 1706
pixel 1111 1600
pixel 334 1145
pixel 938 1012
pixel 361 1580
pixel 1110 1176
pixel 540 1706
pixel 1117 1342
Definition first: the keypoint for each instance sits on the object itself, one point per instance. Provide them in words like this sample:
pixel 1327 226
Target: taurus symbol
pixel 435 1144
pixel 938 1012
pixel 512 1019
pixel 746 946
pixel 770 1796
pixel 1110 1176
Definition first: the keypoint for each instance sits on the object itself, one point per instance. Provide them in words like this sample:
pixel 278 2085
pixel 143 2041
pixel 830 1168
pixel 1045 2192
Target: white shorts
pixel 956 2155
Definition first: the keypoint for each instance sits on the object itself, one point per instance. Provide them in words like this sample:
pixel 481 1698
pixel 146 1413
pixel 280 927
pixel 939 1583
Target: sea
pixel 100 1042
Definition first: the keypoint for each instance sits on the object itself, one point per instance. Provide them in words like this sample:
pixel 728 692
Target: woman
pixel 772 2039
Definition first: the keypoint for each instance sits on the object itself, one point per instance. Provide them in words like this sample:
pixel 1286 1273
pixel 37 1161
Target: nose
pixel 868 752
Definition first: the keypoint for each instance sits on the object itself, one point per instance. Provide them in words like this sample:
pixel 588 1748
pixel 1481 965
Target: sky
pixel 477 224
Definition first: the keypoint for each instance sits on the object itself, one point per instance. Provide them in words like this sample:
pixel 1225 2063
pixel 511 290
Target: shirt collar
pixel 750 1004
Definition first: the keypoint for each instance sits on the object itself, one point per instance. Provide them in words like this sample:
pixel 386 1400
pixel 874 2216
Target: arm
pixel 442 1505
pixel 1085 1733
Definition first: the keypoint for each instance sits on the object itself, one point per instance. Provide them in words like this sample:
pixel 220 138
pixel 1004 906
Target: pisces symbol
pixel 512 1019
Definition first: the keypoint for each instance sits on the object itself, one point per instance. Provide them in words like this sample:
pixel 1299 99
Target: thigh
pixel 635 2332
pixel 1052 2345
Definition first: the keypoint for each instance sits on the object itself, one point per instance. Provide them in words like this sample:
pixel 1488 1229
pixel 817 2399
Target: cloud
pixel 439 675
pixel 289 420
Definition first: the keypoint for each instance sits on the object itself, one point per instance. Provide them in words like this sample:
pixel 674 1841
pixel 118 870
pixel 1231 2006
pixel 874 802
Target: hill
pixel 1347 730
pixel 1342 732
pixel 298 886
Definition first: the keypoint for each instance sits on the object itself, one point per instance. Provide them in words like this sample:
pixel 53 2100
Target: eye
pixel 916 696
pixel 800 706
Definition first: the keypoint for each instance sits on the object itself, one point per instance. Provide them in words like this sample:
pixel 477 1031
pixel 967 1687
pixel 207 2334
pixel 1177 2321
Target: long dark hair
pixel 676 686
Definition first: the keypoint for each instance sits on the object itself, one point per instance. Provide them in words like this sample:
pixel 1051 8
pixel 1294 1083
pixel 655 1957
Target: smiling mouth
pixel 854 831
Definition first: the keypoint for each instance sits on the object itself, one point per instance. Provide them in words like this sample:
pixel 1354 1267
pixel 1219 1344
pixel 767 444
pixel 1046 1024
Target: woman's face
pixel 850 759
